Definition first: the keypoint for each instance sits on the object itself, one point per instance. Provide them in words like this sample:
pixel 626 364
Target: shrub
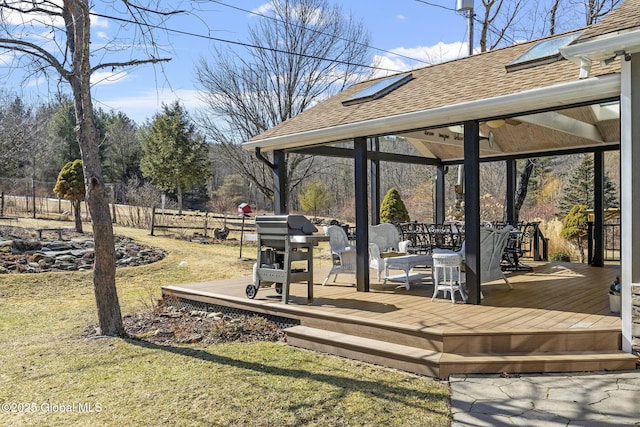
pixel 393 208
pixel 559 256
pixel 574 228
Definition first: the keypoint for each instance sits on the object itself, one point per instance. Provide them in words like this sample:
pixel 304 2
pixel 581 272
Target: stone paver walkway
pixel 597 399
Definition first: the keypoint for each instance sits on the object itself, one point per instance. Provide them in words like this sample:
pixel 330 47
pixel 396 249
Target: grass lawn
pixel 50 375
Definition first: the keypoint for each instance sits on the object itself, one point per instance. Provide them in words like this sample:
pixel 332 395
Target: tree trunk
pixel 77 19
pixel 76 204
pixel 179 188
pixel 523 187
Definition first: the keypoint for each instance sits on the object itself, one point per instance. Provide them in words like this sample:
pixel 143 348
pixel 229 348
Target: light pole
pixel 467 6
pixel 463 6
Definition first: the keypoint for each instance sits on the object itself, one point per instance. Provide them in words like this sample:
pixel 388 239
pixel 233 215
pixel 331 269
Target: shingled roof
pixel 467 86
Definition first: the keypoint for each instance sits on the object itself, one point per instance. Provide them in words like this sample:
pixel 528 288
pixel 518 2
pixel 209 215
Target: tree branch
pixel 37 51
pixel 113 65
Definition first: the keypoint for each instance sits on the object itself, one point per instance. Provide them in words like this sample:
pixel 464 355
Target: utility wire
pixel 186 33
pixel 436 5
pixel 490 27
pixel 318 31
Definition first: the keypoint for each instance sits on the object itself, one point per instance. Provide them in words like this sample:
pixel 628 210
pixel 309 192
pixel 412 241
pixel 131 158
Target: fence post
pixel 33 195
pixel 113 204
pixel 205 223
pixel 2 204
pixel 153 219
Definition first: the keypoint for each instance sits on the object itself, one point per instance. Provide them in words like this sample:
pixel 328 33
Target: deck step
pixel 437 364
pixel 410 359
pixel 585 361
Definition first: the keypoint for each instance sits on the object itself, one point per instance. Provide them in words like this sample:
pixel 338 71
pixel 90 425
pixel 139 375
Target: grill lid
pixel 284 224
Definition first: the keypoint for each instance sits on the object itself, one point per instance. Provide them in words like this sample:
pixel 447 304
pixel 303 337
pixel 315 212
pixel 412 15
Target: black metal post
pixel 362 214
pixel 598 209
pixel 375 181
pixel 472 209
pixel 440 188
pixel 279 183
pixel 511 191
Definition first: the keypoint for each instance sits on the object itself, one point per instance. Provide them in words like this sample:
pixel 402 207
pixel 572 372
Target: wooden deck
pixel 555 319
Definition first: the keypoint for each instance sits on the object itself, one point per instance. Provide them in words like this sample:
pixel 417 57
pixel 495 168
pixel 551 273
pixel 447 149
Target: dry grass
pixel 47 366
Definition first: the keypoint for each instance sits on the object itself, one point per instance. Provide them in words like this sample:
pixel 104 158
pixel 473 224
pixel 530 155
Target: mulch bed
pixel 168 325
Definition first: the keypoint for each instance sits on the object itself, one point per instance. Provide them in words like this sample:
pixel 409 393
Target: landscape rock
pixel 19 253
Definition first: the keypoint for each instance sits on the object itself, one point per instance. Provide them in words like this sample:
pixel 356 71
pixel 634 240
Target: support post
pixel 510 205
pixel 630 191
pixel 472 209
pixel 279 183
pixel 153 219
pixel 375 181
pixel 362 214
pixel 598 209
pixel 440 203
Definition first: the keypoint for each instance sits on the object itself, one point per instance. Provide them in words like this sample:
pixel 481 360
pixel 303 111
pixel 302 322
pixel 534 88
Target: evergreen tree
pixel 575 229
pixel 579 189
pixel 393 208
pixel 70 186
pixel 174 156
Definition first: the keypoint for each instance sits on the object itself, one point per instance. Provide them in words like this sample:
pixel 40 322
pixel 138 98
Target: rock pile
pixel 34 256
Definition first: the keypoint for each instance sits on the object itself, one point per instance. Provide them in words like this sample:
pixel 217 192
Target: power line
pixel 490 27
pixel 437 5
pixel 187 33
pixel 318 31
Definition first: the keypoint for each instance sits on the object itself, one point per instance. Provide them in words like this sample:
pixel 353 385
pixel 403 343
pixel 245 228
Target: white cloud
pixel 401 17
pixel 144 105
pixel 262 9
pixel 107 77
pixel 35 19
pixel 36 81
pixel 424 55
pixel 99 22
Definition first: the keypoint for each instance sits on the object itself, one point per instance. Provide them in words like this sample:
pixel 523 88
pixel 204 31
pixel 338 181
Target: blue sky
pixel 428 30
pixel 408 27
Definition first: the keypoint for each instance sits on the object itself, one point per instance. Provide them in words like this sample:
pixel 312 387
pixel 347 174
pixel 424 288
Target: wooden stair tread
pixel 536 357
pixel 353 342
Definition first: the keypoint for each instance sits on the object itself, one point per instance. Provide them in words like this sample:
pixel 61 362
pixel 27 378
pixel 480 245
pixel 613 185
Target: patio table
pixel 405 263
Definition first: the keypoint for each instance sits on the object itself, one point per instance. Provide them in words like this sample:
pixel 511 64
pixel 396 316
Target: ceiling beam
pixel 348 153
pixel 446 136
pixel 564 124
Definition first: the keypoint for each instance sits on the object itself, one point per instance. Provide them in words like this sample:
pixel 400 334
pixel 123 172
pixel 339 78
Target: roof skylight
pixel 378 89
pixel 543 52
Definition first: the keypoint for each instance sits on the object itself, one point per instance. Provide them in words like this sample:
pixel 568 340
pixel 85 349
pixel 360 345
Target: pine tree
pixel 393 208
pixel 579 189
pixel 575 229
pixel 175 156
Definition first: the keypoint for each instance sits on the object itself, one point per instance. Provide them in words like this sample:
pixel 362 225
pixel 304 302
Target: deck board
pixel 552 296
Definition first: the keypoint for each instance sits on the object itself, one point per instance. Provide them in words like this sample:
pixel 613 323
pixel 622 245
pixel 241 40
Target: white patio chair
pixel 343 255
pixel 384 237
pixel 492 244
pixel 387 237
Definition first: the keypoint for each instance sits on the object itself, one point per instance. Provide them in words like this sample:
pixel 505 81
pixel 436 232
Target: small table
pixel 404 263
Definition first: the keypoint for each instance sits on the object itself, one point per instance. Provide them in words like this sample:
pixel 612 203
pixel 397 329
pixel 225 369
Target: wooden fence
pixel 204 223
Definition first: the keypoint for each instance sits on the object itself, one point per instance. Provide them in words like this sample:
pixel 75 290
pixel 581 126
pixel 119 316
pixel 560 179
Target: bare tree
pixel 497 20
pixel 66 50
pixel 299 53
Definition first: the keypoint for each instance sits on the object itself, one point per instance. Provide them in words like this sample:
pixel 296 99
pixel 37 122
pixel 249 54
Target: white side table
pixel 447 276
